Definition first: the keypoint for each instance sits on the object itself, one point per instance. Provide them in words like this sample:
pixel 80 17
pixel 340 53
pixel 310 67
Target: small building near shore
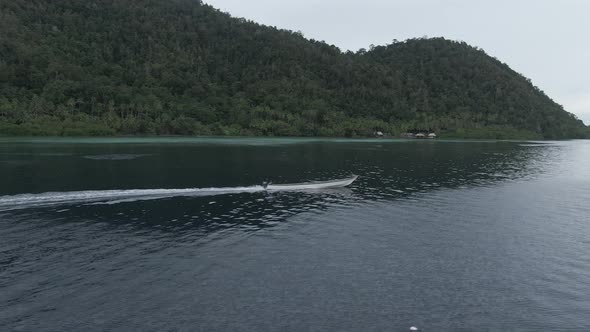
pixel 420 135
pixel 432 135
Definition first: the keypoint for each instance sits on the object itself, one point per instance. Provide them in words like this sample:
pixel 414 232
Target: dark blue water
pixel 446 236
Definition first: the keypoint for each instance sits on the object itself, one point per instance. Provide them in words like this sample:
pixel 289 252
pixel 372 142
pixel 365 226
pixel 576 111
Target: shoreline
pixel 246 139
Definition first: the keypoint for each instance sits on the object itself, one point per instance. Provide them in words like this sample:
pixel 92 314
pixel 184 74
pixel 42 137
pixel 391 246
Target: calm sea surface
pixel 102 235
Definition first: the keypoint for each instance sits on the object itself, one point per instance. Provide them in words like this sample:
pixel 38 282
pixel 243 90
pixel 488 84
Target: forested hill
pixel 104 67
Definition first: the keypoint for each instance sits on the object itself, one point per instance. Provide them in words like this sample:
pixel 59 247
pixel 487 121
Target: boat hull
pixel 339 183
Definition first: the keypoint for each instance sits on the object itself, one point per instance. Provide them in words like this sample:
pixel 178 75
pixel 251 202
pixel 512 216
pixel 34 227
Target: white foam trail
pixel 22 201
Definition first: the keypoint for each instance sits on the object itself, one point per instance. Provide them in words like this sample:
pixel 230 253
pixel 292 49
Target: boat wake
pixel 24 201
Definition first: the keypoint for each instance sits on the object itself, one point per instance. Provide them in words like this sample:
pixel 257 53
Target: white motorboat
pixel 337 183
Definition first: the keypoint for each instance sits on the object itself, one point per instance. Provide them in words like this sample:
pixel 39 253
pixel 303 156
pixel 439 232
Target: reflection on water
pixel 442 235
pixel 115 156
pixel 388 171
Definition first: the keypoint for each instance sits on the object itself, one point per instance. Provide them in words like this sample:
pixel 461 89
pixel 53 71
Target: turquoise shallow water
pixel 154 234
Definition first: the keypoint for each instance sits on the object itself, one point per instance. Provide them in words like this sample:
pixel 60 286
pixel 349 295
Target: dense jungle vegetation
pixel 181 67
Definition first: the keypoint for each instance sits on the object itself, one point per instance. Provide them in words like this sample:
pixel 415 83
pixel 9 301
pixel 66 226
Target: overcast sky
pixel 548 41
